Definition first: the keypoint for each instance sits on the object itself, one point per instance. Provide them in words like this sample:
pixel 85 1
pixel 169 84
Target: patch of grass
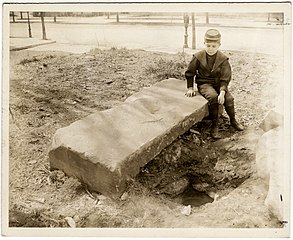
pixel 163 68
pixel 34 59
pixel 26 60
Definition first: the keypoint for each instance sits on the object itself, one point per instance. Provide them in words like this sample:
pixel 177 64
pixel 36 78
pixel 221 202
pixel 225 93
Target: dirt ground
pixel 50 90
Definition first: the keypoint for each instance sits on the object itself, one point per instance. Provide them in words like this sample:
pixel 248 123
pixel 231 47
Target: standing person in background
pixel 212 72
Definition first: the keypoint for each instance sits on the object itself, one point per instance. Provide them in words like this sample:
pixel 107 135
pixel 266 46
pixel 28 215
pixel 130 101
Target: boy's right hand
pixel 190 93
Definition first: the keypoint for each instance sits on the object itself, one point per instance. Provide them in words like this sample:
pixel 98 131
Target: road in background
pixel 97 32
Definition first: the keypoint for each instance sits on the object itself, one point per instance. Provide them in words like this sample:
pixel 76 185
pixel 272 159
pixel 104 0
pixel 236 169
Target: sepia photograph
pixel 146 119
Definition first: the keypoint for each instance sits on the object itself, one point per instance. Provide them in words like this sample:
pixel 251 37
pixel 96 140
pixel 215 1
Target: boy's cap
pixel 212 35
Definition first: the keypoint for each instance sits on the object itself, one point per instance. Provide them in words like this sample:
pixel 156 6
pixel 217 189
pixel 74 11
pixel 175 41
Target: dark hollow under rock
pixel 209 167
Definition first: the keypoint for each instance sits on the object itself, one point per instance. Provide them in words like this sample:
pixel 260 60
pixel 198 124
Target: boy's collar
pixel 201 56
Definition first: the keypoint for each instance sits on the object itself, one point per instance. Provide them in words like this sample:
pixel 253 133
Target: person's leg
pixel 229 107
pixel 209 93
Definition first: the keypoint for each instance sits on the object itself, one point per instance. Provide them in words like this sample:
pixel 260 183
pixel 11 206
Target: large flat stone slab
pixel 107 148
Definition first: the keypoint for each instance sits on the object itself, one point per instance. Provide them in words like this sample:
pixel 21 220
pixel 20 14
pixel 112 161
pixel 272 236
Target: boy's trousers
pixel 211 94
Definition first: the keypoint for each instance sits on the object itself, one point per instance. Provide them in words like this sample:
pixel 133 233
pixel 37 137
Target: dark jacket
pixel 219 76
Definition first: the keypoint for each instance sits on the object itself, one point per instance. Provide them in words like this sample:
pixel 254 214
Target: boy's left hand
pixel 221 97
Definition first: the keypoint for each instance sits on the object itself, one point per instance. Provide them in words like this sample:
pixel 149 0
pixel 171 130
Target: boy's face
pixel 212 47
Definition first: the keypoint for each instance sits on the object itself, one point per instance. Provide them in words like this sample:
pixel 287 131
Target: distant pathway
pixel 151 37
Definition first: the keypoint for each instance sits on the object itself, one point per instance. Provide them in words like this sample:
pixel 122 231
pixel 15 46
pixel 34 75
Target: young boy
pixel 212 72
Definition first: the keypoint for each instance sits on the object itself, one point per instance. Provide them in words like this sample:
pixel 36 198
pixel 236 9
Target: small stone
pixel 177 187
pixel 186 210
pixel 272 120
pixel 124 196
pixel 201 187
pixel 32 161
pixel 76 218
pixel 90 57
pixel 102 197
pixel 70 222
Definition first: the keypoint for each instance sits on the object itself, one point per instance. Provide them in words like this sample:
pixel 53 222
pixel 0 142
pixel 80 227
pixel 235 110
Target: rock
pixel 124 196
pixel 272 120
pixel 106 148
pixel 101 197
pixel 177 187
pixel 271 165
pixel 186 210
pixel 201 187
pixel 76 218
pixel 70 222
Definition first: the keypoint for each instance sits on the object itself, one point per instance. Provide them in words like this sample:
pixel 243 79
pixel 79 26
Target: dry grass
pixel 49 91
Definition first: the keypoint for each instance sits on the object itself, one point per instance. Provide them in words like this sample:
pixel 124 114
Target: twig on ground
pixel 221 179
pixel 10 111
pixel 194 131
pixel 89 193
pixel 236 211
pixel 51 219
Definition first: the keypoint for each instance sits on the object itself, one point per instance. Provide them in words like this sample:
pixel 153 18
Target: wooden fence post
pixel 43 26
pixel 29 25
pixel 186 23
pixel 207 18
pixel 13 17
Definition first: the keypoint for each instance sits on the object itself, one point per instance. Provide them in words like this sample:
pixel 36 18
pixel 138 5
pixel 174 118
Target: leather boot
pixel 231 113
pixel 214 110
